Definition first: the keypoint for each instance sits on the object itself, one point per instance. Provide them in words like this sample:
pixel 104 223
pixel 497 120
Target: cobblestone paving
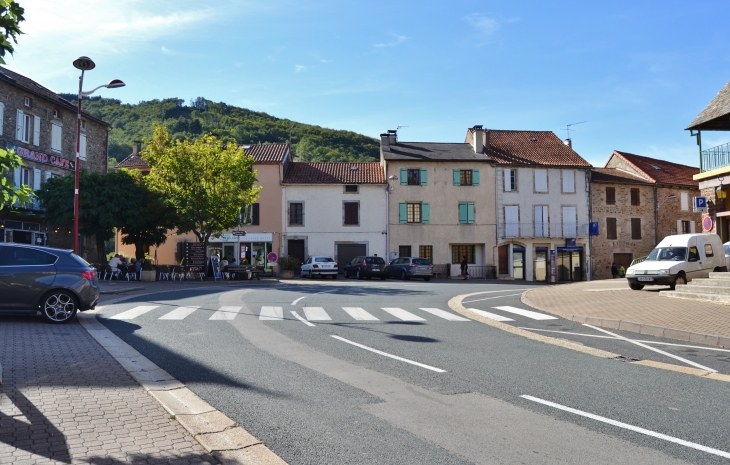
pixel 65 400
pixel 612 299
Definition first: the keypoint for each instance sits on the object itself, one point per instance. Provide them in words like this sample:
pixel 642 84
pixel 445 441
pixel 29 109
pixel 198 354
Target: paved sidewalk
pixel 611 304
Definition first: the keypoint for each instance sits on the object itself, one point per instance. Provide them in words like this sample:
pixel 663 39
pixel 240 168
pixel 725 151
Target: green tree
pixel 205 181
pixel 11 15
pixel 9 161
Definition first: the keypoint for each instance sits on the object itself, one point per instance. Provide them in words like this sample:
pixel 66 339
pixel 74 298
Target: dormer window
pixel 26 101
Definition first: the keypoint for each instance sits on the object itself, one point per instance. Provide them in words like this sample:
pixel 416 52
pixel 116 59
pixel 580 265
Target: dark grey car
pixel 408 267
pixel 55 282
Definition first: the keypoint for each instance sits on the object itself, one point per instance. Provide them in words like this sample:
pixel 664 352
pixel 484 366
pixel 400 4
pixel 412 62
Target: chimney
pixel 569 143
pixel 393 136
pixel 136 147
pixel 486 139
pixel 478 139
pixel 385 142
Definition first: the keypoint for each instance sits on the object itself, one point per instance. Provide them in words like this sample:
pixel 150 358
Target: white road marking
pixel 225 313
pixel 316 314
pixel 296 315
pixel 688 362
pixel 491 316
pixel 428 367
pixel 402 314
pixel 636 429
pixel 295 302
pixel 568 332
pixel 526 313
pixel 490 298
pixel 134 312
pixel 359 314
pixel 445 315
pixel 271 313
pixel 179 313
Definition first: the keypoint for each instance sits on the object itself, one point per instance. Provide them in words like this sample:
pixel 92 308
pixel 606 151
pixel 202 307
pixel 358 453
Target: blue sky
pixel 637 72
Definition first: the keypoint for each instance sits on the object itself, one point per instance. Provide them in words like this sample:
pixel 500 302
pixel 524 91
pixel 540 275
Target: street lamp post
pixel 84 64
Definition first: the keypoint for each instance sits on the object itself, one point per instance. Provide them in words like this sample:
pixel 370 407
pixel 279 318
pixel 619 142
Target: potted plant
pixel 148 272
pixel 288 266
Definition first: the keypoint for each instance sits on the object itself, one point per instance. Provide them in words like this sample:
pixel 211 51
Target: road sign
pixel 238 233
pixel 699 204
pixel 272 257
pixel 707 223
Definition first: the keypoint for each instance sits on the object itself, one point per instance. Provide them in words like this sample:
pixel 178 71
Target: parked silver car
pixel 55 282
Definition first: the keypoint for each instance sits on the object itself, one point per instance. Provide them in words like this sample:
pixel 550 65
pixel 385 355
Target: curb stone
pixel 218 434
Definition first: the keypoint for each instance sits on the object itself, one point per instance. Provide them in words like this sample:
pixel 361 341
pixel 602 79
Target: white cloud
pixel 298 68
pixel 485 26
pixel 398 40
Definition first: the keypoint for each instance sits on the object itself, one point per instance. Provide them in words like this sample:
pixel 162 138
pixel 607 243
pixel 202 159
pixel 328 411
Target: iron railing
pixel 538 230
pixel 715 157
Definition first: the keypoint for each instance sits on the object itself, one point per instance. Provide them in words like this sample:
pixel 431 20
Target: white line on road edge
pixel 428 367
pixel 489 298
pixel 296 315
pixel 688 362
pixel 567 332
pixel 295 302
pixel 637 429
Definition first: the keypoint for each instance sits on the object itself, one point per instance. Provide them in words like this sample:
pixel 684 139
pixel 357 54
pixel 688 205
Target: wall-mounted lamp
pixel 719 191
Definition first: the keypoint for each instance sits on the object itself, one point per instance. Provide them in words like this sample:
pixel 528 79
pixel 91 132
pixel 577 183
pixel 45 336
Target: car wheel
pixel 311 276
pixel 59 306
pixel 403 275
pixel 358 275
pixel 427 279
pixel 636 286
pixel 681 280
pixel 334 276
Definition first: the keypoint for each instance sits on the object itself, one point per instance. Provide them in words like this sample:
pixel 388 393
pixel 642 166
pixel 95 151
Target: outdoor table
pixel 249 271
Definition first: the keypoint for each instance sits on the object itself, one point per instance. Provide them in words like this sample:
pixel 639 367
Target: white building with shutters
pixel 542 206
pixel 441 203
pixel 40 126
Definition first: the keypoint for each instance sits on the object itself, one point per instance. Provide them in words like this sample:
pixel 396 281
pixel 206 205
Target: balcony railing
pixel 546 230
pixel 715 157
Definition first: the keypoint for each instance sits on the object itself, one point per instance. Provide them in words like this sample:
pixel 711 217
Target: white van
pixel 678 259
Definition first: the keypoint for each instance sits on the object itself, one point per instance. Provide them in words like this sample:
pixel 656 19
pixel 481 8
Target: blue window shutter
pixel 402 213
pixel 457 177
pixel 470 213
pixel 463 217
pixel 475 177
pixel 403 176
pixel 425 213
pixel 424 177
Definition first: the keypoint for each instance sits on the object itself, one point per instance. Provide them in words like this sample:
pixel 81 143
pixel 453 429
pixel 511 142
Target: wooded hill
pixel 135 122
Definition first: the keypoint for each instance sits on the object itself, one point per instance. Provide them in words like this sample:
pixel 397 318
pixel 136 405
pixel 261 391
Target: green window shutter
pixel 457 177
pixel 403 176
pixel 475 177
pixel 463 218
pixel 425 213
pixel 424 177
pixel 470 213
pixel 402 213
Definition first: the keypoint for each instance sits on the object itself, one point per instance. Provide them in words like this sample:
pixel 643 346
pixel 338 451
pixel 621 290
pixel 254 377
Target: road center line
pixel 688 362
pixel 296 315
pixel 428 367
pixel 636 429
pixel 488 298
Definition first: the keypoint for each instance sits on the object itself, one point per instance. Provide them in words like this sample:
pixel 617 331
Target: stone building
pixel 41 127
pixel 637 201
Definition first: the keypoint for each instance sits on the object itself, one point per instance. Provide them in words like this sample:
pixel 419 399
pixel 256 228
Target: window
pixel 426 251
pixel 255 214
pixel 82 147
pixel 611 231
pixel 635 196
pixel 20 256
pixel 541 184
pixel 26 101
pixel 541 221
pixel 465 177
pixel 404 251
pixel 458 252
pixel 685 227
pixel 684 200
pixel 708 251
pixel 56 137
pixel 568 181
pixel 414 177
pixel 2 117
pixel 413 213
pixel 24 176
pixel 694 254
pixel 352 213
pixel 570 222
pixel 610 196
pixel 22 127
pixel 512 221
pixel 351 189
pixel 635 228
pixel 510 180
pixel 55 113
pixel 296 214
pixel 466 212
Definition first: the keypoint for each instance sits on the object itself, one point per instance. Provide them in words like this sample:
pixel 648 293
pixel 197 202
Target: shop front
pixel 22 232
pixel 570 263
pixel 251 249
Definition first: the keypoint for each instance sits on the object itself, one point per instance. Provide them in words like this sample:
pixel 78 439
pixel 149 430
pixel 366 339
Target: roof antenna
pixel 400 126
pixel 567 128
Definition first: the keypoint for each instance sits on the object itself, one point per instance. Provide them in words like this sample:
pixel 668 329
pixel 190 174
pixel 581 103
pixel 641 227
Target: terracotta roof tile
pixel 334 173
pixel 530 148
pixel 615 175
pixel 267 153
pixel 715 115
pixel 133 161
pixel 661 171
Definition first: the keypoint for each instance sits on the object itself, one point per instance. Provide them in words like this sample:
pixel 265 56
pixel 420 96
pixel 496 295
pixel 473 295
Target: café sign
pixel 40 157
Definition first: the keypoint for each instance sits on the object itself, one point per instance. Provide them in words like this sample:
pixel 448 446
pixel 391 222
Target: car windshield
pixel 676 254
pixel 374 261
pixel 323 259
pixel 421 261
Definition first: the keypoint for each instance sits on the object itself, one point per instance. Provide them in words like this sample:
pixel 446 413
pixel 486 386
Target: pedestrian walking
pixel 622 271
pixel 465 268
pixel 614 271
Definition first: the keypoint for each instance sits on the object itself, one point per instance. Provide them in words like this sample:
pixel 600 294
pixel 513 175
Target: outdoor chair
pixel 178 272
pixel 131 273
pixel 164 272
pixel 111 272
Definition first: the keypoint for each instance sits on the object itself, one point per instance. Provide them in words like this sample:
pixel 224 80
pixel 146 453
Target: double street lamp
pixel 84 64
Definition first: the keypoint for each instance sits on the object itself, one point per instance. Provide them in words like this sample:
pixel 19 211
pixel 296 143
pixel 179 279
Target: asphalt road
pixel 295 364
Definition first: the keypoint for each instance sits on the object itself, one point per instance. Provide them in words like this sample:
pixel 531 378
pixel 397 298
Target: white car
pixel 726 246
pixel 319 266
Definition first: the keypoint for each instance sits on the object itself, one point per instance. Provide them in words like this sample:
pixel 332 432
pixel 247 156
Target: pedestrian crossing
pixel 275 313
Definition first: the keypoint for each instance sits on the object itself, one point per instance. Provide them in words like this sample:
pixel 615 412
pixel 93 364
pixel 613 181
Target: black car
pixel 362 267
pixel 408 267
pixel 55 282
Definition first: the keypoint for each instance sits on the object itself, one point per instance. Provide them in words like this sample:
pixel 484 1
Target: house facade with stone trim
pixel 637 201
pixel 41 127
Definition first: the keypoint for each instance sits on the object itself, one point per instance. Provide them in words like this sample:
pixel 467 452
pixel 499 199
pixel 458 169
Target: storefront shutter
pixel 475 177
pixel 424 177
pixel 36 130
pixel 425 213
pixel 402 212
pixel 403 176
pixel 457 178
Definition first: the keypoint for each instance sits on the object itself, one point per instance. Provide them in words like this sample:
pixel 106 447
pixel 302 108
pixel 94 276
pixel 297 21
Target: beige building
pixel 440 202
pixel 263 228
pixel 637 201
